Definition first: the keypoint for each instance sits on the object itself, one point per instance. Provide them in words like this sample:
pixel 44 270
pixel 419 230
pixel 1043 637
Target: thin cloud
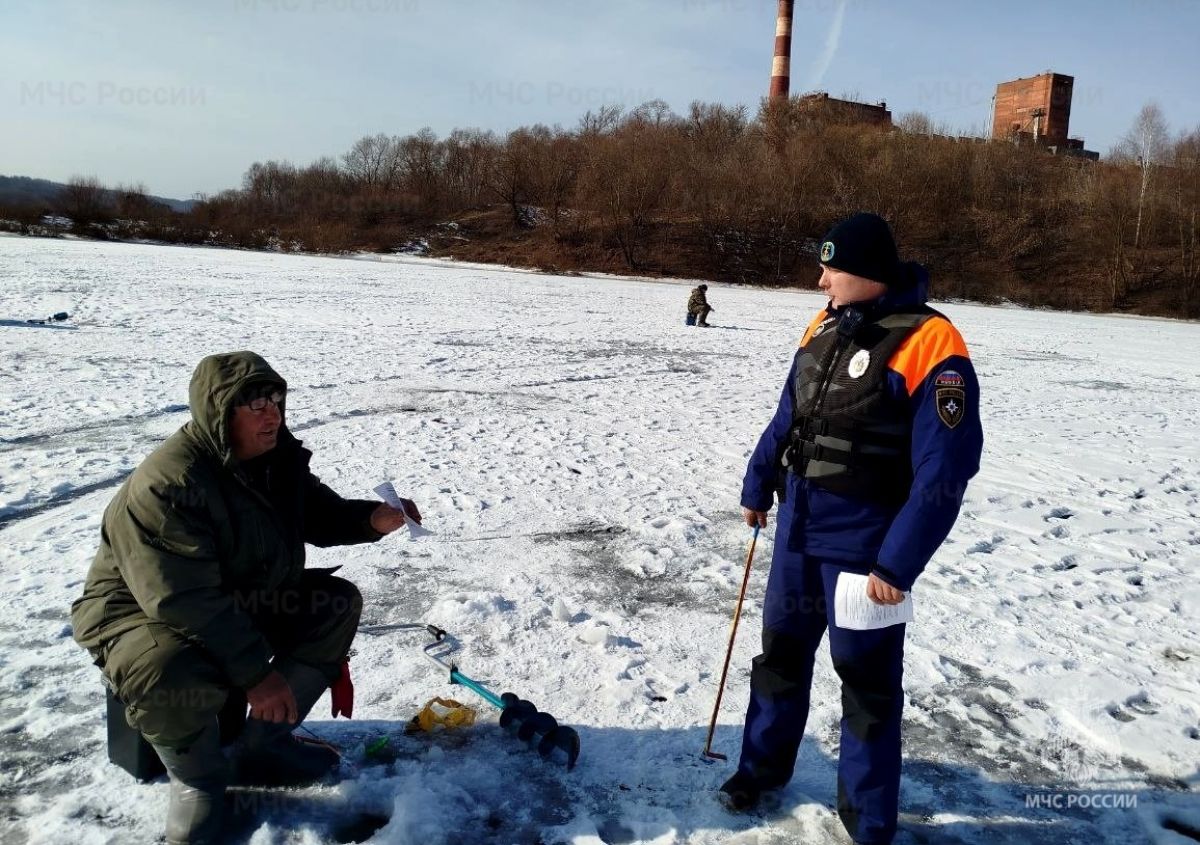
pixel 832 39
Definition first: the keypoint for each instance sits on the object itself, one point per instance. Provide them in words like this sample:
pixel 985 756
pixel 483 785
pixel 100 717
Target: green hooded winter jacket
pixel 188 533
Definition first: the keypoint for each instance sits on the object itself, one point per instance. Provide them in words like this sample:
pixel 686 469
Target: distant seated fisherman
pixel 698 306
pixel 199 593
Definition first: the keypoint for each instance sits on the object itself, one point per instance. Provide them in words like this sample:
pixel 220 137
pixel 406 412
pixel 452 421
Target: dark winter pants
pixel 702 315
pixel 172 689
pixel 798 608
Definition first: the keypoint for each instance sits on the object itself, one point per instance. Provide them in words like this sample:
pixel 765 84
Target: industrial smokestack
pixel 781 67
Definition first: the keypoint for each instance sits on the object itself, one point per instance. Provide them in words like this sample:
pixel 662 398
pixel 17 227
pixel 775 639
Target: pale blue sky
pixel 184 95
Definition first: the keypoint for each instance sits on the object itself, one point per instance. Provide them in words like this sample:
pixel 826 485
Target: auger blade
pixel 563 739
pixel 516 710
pixel 539 724
pixel 532 725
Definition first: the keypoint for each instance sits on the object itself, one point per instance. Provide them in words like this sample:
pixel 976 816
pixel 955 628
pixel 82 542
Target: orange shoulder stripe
pixel 812 327
pixel 931 344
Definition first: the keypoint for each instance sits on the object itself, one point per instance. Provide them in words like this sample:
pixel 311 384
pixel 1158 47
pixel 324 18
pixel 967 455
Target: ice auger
pixel 516 714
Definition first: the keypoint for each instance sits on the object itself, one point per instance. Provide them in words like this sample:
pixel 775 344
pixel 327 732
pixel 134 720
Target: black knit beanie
pixel 863 245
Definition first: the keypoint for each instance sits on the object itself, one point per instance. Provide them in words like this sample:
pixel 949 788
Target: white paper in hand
pixel 854 610
pixel 387 492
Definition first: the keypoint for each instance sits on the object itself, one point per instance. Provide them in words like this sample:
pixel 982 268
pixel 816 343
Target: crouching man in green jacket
pixel 199 591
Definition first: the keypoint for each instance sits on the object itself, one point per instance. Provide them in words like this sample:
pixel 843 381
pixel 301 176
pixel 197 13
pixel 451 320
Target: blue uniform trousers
pixel 798 607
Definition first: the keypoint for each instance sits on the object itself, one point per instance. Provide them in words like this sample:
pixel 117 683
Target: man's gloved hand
pixel 341 694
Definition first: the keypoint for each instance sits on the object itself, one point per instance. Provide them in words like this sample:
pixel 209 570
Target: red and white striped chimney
pixel 781 66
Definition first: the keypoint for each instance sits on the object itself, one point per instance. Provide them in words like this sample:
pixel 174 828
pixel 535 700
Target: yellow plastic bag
pixel 445 713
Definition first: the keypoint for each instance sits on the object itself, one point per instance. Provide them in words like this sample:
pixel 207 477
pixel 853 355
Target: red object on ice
pixel 341 694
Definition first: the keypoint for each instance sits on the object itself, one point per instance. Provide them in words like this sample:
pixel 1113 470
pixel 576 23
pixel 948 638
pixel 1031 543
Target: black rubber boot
pixel 741 793
pixel 269 754
pixel 199 774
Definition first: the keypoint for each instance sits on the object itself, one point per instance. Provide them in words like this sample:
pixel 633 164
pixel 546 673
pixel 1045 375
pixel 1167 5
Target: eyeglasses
pixel 259 403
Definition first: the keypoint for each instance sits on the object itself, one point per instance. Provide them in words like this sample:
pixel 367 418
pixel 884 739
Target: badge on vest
pixel 951 405
pixel 859 363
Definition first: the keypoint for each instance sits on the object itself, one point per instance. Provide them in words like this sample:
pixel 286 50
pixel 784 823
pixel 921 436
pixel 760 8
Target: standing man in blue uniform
pixel 869 452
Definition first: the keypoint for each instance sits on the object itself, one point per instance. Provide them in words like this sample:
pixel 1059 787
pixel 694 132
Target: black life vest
pixel 849 435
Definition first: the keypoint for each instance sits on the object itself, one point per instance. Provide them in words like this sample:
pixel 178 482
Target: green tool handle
pixel 457 677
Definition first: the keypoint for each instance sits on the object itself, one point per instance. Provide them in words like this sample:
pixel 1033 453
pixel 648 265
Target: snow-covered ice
pixel 577 452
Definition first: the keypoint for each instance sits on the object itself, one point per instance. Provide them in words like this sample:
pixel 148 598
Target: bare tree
pixel 916 122
pixel 421 160
pixel 628 177
pixel 373 162
pixel 84 200
pixel 512 175
pixel 714 127
pixel 469 157
pixel 600 122
pixel 322 192
pixel 1185 161
pixel 656 113
pixel 1145 144
pixel 267 185
pixel 557 165
pixel 133 203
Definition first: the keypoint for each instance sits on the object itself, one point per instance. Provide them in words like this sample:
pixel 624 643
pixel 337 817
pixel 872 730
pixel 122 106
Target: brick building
pixel 1037 110
pixel 822 106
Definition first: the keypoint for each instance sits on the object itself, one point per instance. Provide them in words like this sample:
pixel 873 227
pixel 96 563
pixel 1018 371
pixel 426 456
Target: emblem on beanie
pixel 827 251
pixel 859 363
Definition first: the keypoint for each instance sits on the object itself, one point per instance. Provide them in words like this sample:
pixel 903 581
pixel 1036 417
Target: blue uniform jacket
pixel 895 542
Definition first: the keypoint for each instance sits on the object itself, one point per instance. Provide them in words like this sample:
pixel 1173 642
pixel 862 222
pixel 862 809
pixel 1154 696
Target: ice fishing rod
pixel 712 725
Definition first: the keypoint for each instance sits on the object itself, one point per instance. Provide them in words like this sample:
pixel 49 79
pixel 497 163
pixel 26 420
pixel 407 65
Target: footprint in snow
pixel 1059 513
pixel 1119 714
pixel 986 547
pixel 1141 704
